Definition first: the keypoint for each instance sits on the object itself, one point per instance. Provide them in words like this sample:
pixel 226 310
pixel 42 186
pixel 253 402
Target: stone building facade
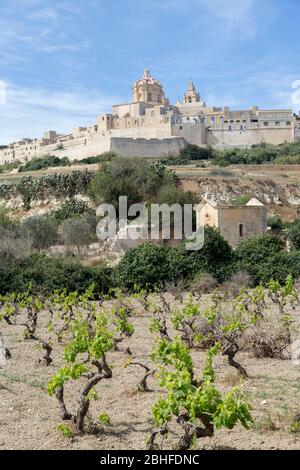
pixel 236 223
pixel 150 126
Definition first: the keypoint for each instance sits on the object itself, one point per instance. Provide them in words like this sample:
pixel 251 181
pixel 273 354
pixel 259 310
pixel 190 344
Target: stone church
pixel 150 126
pixel 236 223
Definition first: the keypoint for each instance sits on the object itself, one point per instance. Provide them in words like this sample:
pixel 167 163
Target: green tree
pixel 39 232
pixel 78 231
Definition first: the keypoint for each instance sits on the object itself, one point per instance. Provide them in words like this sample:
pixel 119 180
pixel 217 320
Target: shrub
pixel 293 234
pixel 39 232
pixel 43 163
pixel 275 223
pixel 193 152
pixel 4 217
pixel 78 231
pixel 46 274
pixel 10 166
pixel 269 338
pixel 278 267
pixel 57 185
pixel 6 273
pixel 11 246
pixel 146 266
pixel 237 282
pixel 263 258
pixel 255 253
pixel 133 178
pixel 221 173
pixel 216 257
pixel 70 208
pixel 242 200
pixel 104 157
pixel 203 283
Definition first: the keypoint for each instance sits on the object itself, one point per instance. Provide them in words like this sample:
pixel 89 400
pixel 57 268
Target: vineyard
pixel 167 370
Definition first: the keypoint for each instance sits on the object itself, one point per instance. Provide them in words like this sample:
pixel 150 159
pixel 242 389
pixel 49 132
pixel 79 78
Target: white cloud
pixel 31 112
pixel 229 18
pixel 45 14
pixel 2 92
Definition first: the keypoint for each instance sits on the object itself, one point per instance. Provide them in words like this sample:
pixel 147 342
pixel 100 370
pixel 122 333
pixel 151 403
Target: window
pixel 277 123
pixel 241 230
pixel 266 124
pixel 180 128
pixel 149 96
pixel 288 123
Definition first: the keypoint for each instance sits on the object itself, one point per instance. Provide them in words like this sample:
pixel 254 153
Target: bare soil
pixel 29 417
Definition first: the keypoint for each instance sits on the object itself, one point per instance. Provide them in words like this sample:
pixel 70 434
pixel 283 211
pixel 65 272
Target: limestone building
pixel 236 223
pixel 150 126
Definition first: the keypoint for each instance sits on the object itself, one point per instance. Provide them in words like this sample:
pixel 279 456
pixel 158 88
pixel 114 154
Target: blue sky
pixel 65 61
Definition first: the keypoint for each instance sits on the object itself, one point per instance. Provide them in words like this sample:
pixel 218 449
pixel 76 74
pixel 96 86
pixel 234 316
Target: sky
pixel 63 62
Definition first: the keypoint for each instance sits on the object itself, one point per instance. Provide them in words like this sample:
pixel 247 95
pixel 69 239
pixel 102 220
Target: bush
pixel 242 200
pixel 258 154
pixel 203 283
pixel 4 217
pixel 104 157
pixel 10 166
pixel 169 194
pixel 43 163
pixel 254 253
pixel 10 245
pixel 133 178
pixel 39 232
pixel 293 234
pixel 70 208
pixel 193 152
pixel 78 231
pixel 221 173
pixel 237 282
pixel 216 257
pixel 47 274
pixel 146 266
pixel 278 267
pixel 57 185
pixel 269 338
pixel 275 223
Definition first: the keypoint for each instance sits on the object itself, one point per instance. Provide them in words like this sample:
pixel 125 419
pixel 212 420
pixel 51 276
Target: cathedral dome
pixel 147 79
pixel 149 90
